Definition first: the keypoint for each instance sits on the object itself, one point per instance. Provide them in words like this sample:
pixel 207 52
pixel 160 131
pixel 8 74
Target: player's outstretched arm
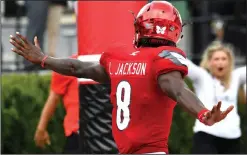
pixel 172 84
pixel 67 66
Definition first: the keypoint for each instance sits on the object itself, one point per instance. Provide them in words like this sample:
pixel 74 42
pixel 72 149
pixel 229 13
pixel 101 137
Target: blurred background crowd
pixel 31 95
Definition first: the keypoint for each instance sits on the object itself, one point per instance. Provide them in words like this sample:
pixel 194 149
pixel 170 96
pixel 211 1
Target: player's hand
pixel 42 138
pixel 26 49
pixel 215 115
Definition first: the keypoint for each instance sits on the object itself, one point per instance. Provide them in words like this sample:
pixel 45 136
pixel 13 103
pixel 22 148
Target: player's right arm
pixel 65 66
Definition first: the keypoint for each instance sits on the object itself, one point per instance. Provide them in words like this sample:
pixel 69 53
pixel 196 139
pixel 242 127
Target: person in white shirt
pixel 217 80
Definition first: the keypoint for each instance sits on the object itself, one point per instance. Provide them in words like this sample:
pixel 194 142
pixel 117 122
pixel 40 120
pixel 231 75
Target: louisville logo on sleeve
pixel 175 57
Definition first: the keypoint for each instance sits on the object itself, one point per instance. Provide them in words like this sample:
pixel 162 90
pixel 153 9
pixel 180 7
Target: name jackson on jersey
pixel 128 68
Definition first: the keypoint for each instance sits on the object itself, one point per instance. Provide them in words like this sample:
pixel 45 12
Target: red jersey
pixel 67 87
pixel 142 113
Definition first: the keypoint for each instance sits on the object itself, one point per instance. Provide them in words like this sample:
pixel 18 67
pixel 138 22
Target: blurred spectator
pixel 217 27
pixel 65 87
pixel 1 57
pixel 245 91
pixel 42 15
pixel 242 95
pixel 37 12
pixel 75 7
pixel 55 12
pixel 216 80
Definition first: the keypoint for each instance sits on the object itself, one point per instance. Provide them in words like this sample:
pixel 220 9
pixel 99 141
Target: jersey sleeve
pixel 110 52
pixel 167 61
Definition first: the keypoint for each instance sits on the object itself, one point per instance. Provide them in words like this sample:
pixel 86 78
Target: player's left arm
pixel 170 67
pixel 172 84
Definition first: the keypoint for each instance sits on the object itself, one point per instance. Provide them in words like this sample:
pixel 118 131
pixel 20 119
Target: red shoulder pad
pixel 169 59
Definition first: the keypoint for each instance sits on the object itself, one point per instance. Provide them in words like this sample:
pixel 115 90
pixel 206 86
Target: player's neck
pixel 155 42
pixel 155 45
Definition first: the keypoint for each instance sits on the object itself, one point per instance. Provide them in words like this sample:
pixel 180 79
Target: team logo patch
pixel 172 28
pixel 175 57
pixel 160 30
pixel 148 26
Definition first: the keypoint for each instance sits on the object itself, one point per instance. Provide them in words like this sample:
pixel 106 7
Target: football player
pixel 146 81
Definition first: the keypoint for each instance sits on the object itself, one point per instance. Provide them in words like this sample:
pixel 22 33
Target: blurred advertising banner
pixel 100 25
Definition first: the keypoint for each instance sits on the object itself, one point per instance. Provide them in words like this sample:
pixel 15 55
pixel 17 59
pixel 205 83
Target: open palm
pixel 26 49
pixel 216 115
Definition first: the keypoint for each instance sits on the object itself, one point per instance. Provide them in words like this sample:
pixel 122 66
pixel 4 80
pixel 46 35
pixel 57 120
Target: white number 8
pixel 123 89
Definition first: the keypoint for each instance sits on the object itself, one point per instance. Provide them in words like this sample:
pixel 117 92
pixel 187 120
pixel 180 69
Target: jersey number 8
pixel 123 102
